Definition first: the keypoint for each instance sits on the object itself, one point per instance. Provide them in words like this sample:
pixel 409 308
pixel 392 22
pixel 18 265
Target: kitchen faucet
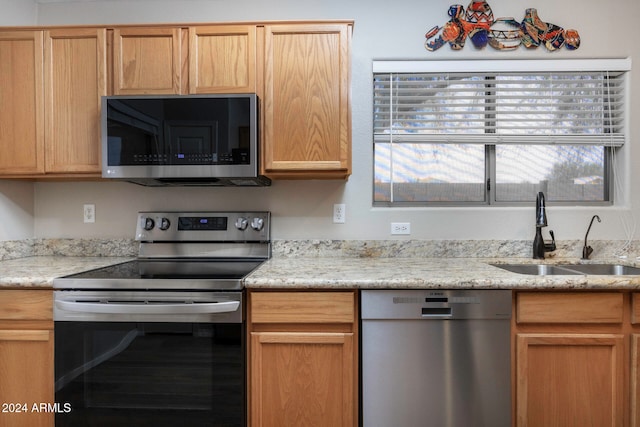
pixel 587 250
pixel 539 246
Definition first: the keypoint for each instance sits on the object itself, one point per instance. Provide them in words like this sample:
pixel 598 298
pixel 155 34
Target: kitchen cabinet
pixel 635 359
pixel 303 359
pixel 26 358
pixel 306 100
pixel 179 60
pixel 51 83
pixel 147 60
pixel 21 102
pixel 571 359
pixel 222 59
pixel 75 79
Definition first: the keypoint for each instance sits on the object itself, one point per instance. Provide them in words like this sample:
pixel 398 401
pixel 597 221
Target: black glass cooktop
pixel 157 274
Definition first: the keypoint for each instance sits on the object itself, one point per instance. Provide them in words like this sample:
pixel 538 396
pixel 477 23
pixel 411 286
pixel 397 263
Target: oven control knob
pixel 165 224
pixel 257 223
pixel 241 223
pixel 149 223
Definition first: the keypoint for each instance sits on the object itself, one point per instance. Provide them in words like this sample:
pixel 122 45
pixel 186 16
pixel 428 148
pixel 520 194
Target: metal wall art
pixel 478 25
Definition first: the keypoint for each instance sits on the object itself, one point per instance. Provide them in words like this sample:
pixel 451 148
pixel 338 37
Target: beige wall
pixel 383 30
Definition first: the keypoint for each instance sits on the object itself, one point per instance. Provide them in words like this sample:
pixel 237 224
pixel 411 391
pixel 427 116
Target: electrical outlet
pixel 89 213
pixel 339 213
pixel 400 228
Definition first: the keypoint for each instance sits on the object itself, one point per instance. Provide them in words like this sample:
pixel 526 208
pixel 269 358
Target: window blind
pixel 565 102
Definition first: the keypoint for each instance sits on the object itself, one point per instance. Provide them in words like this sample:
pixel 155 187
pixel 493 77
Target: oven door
pixel 149 358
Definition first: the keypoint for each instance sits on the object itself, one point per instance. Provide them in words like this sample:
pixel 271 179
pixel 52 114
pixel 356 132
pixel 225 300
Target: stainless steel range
pixel 159 340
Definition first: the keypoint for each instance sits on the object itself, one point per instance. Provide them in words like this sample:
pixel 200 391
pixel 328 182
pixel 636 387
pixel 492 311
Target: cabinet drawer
pixel 570 307
pixel 26 305
pixel 302 307
pixel 635 308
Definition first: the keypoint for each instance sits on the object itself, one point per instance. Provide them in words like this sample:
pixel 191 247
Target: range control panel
pixel 204 226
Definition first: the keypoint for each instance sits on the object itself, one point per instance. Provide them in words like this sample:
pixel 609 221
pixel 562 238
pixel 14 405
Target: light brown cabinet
pixel 300 70
pixel 21 102
pixel 303 359
pixel 180 60
pixel 26 358
pixel 75 79
pixel 147 60
pixel 222 59
pixel 51 84
pixel 635 359
pixel 571 359
pixel 306 100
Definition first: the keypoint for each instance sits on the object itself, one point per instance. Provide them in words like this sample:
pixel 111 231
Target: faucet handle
pixel 550 247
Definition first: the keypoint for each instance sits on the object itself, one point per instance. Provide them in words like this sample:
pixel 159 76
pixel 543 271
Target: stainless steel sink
pixel 570 269
pixel 536 269
pixel 604 269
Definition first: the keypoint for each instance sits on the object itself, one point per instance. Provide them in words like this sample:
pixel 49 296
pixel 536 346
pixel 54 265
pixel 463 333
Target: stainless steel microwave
pixel 182 140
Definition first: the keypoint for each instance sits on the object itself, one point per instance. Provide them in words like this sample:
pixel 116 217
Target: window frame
pixel 510 66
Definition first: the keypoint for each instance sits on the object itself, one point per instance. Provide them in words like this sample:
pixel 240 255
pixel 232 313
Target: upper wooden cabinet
pixel 222 59
pixel 52 79
pixel 21 103
pixel 51 82
pixel 147 61
pixel 75 79
pixel 306 101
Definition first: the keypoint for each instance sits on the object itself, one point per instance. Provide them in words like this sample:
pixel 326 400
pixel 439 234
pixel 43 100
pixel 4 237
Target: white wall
pixel 17 12
pixel 383 30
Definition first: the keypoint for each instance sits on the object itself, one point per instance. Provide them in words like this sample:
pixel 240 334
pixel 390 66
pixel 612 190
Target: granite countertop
pixel 346 273
pixel 408 273
pixel 39 271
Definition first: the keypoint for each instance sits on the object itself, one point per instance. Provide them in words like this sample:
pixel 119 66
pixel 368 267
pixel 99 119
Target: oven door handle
pixel 144 308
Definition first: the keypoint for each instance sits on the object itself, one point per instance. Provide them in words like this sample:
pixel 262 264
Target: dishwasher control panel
pixel 440 304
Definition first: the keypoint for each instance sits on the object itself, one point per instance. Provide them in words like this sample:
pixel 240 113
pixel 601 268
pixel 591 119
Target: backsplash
pixel 602 249
pixel 448 248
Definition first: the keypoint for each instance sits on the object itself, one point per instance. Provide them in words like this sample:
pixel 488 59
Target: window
pixel 497 132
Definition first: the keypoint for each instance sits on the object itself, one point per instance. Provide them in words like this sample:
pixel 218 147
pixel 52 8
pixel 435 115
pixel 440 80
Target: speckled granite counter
pixel 39 271
pixel 407 273
pixel 333 264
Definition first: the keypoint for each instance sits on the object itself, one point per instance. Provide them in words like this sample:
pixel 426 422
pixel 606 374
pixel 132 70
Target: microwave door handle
pixel 142 308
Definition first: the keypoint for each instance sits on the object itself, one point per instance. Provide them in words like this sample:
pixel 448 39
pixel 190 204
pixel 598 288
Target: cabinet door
pixel 75 79
pixel 569 380
pixel 302 379
pixel 635 380
pixel 222 58
pixel 147 61
pixel 21 103
pixel 26 369
pixel 307 112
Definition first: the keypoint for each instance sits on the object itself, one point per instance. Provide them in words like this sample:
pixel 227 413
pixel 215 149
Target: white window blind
pixel 497 102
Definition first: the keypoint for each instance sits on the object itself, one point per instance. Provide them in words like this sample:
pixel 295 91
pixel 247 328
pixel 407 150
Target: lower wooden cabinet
pixel 571 357
pixel 635 380
pixel 303 359
pixel 570 379
pixel 26 358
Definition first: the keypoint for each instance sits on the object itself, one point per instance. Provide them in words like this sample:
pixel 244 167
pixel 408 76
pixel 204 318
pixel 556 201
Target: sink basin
pixel 570 269
pixel 536 269
pixel 604 269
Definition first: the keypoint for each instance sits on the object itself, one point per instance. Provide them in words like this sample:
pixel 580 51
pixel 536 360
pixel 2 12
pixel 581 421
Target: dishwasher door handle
pixel 436 312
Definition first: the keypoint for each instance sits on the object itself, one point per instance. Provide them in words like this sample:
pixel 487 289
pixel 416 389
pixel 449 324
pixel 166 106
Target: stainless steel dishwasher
pixel 436 358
